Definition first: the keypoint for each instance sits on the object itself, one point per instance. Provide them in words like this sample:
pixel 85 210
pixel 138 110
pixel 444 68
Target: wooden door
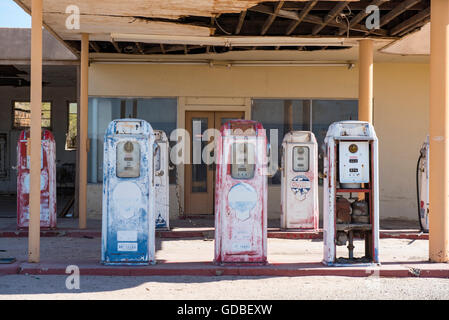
pixel 199 176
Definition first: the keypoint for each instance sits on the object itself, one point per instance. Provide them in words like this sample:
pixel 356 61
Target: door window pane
pixel 199 168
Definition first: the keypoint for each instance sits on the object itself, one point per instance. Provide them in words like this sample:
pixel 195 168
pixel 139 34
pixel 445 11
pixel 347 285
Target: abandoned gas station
pixel 290 65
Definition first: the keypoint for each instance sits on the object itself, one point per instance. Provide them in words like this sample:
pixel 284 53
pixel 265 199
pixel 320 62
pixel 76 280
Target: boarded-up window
pixel 22 114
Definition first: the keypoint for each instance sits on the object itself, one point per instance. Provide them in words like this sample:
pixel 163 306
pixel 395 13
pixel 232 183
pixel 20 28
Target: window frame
pixel 13 114
pixel 68 102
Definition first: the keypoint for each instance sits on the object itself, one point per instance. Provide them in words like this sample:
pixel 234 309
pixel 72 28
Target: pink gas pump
pixel 48 180
pixel 241 193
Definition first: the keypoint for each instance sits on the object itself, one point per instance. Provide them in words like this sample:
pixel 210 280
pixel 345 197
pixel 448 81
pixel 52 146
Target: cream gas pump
pixel 422 186
pixel 351 192
pixel 161 180
pixel 128 224
pixel 299 181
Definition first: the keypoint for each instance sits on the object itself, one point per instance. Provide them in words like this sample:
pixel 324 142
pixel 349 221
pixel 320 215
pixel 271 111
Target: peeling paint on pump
pixel 47 181
pixel 128 235
pixel 299 182
pixel 241 195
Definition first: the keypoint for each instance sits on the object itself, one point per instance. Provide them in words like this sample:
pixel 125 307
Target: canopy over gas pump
pixel 299 181
pixel 241 193
pixel 351 192
pixel 128 230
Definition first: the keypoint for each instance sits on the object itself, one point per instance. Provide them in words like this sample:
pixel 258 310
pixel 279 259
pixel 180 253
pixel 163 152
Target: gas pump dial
pixel 128 159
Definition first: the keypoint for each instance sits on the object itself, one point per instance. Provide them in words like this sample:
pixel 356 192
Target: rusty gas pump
pixel 351 192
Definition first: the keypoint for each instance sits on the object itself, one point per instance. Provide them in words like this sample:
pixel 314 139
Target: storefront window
pixel 279 116
pixel 161 113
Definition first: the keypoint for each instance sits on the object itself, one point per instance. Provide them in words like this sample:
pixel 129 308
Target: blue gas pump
pixel 128 226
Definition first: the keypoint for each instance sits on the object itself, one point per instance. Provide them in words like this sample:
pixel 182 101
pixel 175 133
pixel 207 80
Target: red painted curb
pixel 11 268
pixel 404 235
pixel 209 269
pixel 295 234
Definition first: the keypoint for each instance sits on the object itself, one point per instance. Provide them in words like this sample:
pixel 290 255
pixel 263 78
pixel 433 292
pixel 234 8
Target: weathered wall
pixel 59 97
pixel 400 107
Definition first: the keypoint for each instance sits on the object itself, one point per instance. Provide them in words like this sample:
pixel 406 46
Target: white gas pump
pixel 128 224
pixel 161 180
pixel 351 192
pixel 299 181
pixel 422 186
pixel 241 193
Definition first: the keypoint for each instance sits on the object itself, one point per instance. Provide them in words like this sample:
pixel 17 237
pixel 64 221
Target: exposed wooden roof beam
pixel 314 19
pixel 399 9
pixel 116 46
pixel 240 23
pixel 267 10
pixel 212 23
pixel 361 15
pixel 330 16
pixel 139 48
pixel 94 46
pixel 416 26
pixel 355 5
pixel 411 22
pixel 271 18
pixel 304 12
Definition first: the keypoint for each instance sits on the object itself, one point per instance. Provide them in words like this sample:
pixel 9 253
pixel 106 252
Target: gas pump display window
pixel 128 159
pixel 243 160
pixel 301 159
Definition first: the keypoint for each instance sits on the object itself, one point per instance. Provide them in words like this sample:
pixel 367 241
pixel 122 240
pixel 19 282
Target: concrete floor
pixel 8 214
pixel 68 251
pixel 74 250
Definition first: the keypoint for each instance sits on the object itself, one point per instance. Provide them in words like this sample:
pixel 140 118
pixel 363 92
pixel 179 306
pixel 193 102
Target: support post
pixel 35 132
pixel 84 101
pixel 439 132
pixel 366 80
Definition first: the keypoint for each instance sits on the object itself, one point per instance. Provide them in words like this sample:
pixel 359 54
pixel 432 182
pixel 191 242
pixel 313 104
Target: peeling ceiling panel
pixel 100 27
pixel 417 43
pixel 169 9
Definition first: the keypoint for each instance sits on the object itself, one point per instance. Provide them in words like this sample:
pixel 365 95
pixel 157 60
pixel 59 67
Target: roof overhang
pixel 147 27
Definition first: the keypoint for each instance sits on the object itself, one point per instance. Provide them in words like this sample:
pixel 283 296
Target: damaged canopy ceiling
pixel 115 25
